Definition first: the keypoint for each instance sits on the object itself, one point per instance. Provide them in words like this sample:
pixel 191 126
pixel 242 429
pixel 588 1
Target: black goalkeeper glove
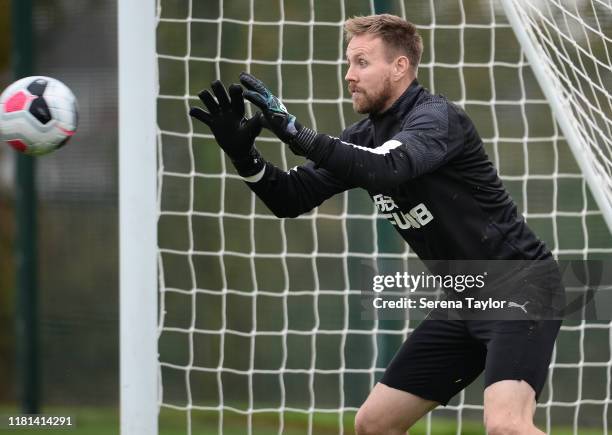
pixel 283 124
pixel 234 133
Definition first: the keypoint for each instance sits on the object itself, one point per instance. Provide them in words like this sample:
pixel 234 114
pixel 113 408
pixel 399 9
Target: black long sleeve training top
pixel 424 166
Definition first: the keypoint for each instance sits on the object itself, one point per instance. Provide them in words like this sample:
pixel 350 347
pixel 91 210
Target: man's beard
pixel 374 103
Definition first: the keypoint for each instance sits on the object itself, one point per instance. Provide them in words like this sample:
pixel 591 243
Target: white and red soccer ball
pixel 37 115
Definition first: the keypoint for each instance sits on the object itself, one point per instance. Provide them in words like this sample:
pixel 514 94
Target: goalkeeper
pixel 423 163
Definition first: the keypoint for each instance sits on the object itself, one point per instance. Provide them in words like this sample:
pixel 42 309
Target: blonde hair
pixel 399 35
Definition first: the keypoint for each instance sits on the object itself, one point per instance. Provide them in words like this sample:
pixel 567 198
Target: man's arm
pixel 287 194
pixel 294 192
pixel 425 143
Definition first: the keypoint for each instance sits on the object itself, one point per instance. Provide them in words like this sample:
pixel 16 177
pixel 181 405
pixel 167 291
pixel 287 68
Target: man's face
pixel 369 74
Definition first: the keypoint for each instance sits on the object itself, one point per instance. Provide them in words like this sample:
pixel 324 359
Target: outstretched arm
pixel 297 191
pixel 287 194
pixel 423 145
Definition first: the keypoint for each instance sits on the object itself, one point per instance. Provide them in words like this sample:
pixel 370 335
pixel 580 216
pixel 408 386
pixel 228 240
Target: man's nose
pixel 350 75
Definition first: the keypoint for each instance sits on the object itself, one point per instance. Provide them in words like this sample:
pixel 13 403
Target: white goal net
pixel 260 326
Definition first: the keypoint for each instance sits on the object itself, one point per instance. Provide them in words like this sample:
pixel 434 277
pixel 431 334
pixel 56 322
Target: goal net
pixel 260 323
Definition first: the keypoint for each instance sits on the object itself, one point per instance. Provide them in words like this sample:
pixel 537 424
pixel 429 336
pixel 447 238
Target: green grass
pixel 105 421
pixel 320 423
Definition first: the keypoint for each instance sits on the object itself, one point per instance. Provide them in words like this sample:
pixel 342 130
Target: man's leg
pixel 438 360
pixel 518 357
pixel 509 407
pixel 388 411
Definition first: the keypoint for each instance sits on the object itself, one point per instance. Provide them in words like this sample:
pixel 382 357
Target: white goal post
pixel 138 217
pixel 234 321
pixel 575 112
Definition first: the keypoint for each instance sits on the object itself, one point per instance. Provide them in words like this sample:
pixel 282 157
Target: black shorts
pixel 441 357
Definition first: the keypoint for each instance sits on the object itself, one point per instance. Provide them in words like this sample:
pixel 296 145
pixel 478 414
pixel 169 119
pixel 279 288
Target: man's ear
pixel 401 67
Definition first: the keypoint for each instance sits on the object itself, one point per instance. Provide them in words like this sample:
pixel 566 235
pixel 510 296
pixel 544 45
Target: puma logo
pixel 522 307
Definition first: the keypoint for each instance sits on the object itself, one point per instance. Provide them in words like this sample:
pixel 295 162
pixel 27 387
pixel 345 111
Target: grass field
pixel 105 421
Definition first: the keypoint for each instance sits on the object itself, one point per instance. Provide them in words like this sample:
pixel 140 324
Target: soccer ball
pixel 37 115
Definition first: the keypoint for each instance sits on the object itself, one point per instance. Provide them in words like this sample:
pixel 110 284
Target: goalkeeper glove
pixel 233 132
pixel 283 124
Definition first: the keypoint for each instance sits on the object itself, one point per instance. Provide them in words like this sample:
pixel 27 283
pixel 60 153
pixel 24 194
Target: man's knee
pixel 509 407
pixel 497 426
pixel 389 411
pixel 367 423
